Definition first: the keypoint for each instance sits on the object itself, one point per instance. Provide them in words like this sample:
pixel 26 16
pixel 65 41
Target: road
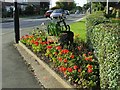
pixel 25 23
pixel 14 72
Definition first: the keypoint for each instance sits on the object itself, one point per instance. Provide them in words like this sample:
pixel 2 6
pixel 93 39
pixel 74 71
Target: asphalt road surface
pixel 26 23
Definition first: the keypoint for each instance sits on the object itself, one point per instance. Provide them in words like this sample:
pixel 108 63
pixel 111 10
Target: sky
pixel 78 2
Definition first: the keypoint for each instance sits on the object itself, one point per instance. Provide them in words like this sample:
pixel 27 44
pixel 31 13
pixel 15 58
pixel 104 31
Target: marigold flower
pixel 75 67
pixel 69 69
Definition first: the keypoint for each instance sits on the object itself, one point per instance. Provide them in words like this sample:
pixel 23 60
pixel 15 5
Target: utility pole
pixel 107 11
pixel 16 23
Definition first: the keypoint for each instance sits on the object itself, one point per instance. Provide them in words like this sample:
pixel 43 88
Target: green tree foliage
pixel 66 5
pixel 29 10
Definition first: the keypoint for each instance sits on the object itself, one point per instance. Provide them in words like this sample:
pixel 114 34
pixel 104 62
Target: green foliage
pixel 29 10
pixel 93 20
pixel 104 37
pixel 66 5
pixel 53 29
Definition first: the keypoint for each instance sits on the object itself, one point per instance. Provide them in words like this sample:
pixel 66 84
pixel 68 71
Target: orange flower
pixel 79 70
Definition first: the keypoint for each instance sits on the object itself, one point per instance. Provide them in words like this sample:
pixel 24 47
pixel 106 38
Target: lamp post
pixel 107 11
pixel 16 23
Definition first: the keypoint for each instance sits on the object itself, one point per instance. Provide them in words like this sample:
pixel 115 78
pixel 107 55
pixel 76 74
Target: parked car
pixel 58 13
pixel 47 13
pixel 67 12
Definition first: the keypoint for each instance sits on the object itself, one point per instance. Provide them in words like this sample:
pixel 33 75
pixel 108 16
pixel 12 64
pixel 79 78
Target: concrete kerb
pixel 56 76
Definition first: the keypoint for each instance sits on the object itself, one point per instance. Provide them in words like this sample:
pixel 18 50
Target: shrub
pixel 105 40
pixel 93 20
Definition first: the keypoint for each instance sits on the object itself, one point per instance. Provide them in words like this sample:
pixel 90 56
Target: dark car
pixel 47 13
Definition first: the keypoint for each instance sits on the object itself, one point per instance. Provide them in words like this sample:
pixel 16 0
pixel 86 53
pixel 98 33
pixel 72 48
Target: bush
pixel 93 20
pixel 105 40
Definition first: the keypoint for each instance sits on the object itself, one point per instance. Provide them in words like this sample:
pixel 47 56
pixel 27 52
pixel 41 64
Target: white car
pixel 58 13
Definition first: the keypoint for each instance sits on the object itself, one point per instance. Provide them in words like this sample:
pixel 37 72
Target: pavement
pixel 15 73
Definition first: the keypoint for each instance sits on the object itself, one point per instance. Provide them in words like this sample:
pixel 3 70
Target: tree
pixel 66 5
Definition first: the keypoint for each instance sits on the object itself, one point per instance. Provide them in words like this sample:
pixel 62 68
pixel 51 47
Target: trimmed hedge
pixel 93 20
pixel 105 38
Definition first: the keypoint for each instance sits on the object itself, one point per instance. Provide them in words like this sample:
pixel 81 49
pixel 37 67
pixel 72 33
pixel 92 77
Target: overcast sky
pixel 79 2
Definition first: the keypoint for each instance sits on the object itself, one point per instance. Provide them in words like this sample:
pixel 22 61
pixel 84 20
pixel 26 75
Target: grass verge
pixel 79 28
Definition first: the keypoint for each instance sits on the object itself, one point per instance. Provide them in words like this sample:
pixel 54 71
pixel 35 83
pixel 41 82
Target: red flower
pixel 89 70
pixel 60 59
pixel 64 51
pixel 89 66
pixel 62 69
pixel 65 60
pixel 90 59
pixel 72 56
pixel 43 43
pixel 75 67
pixel 36 43
pixel 86 58
pixel 49 47
pixel 69 69
pixel 58 47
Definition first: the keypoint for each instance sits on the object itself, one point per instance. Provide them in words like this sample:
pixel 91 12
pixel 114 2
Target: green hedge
pixel 93 20
pixel 105 38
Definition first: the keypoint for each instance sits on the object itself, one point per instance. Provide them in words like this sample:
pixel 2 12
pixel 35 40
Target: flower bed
pixel 75 63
